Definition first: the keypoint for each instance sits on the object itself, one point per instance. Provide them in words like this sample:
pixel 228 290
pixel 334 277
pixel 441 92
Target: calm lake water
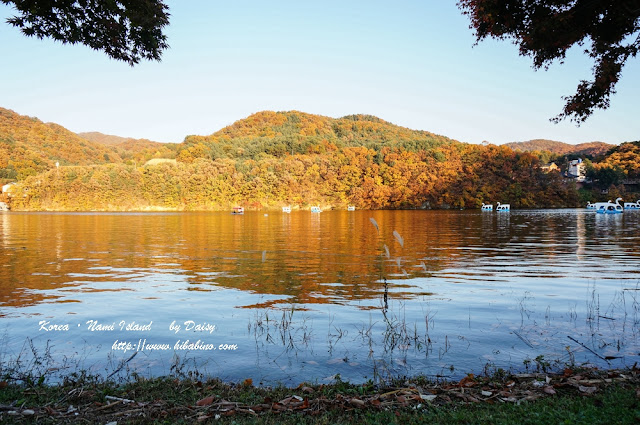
pixel 305 297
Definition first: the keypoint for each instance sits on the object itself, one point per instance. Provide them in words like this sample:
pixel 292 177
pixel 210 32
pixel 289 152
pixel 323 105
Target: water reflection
pixel 497 276
pixel 301 256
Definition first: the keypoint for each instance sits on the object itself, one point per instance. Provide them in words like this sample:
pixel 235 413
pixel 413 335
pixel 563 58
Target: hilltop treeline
pixel 273 159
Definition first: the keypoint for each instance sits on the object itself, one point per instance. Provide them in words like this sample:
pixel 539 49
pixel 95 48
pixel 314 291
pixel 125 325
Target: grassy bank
pixel 582 396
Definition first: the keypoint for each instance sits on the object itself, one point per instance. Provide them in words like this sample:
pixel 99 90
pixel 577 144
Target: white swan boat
pixel 503 207
pixel 610 207
pixel 487 207
pixel 632 205
pixel 315 209
pixel 598 205
pixel 351 208
pixel 286 209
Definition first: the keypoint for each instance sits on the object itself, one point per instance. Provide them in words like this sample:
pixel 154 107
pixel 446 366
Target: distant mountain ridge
pixel 560 148
pixel 126 142
pixel 130 149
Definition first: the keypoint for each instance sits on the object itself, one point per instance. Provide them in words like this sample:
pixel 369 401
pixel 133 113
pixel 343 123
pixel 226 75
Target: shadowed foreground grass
pixel 573 397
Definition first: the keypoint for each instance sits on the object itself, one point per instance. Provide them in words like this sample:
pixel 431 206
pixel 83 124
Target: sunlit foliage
pixel 273 159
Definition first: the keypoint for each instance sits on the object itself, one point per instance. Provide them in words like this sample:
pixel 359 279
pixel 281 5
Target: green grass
pixel 175 401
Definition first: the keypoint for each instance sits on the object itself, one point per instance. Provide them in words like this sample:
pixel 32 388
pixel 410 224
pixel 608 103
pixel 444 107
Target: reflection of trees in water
pixel 332 257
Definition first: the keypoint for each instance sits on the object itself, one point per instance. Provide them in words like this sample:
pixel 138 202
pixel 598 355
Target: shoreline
pixel 278 209
pixel 541 397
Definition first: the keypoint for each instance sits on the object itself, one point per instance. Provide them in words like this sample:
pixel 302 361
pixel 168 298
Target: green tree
pixel 545 30
pixel 126 30
pixel 604 177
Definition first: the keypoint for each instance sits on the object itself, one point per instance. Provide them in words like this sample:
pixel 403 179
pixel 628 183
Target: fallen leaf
pixel 428 397
pixel 587 390
pixel 50 411
pixel 357 402
pixel 307 390
pixel 549 390
pixel 205 401
pixel 285 401
pixel 487 393
pixel 467 381
pixel 248 382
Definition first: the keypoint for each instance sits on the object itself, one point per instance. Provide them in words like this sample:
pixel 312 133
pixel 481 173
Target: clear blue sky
pixel 411 63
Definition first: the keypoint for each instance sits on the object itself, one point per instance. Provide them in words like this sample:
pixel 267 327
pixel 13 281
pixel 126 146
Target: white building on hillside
pixel 577 170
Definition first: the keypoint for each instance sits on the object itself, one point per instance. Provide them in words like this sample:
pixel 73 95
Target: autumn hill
pixel 271 159
pixel 591 149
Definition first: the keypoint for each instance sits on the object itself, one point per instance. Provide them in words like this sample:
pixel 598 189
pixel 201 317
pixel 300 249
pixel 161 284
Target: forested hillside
pixel 271 159
pixel 28 147
pixel 278 134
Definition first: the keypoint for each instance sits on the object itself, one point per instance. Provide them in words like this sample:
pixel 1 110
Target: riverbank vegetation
pixel 272 159
pixel 584 396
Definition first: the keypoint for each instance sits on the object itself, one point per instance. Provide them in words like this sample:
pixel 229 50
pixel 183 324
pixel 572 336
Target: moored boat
pixel 598 205
pixel 237 210
pixel 610 207
pixel 315 209
pixel 286 209
pixel 503 207
pixel 487 207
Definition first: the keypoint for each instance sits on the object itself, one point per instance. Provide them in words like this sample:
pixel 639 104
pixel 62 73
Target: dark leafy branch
pixel 126 30
pixel 546 30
